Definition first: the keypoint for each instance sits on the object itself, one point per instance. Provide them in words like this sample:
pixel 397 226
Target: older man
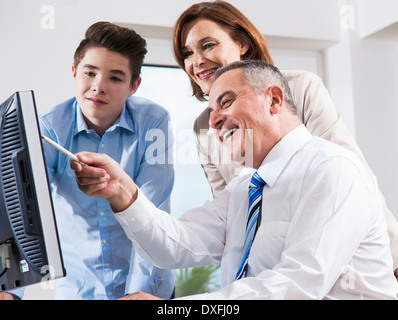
pixel 306 223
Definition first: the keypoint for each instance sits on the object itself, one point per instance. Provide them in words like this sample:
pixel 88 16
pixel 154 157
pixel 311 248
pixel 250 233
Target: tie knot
pixel 256 181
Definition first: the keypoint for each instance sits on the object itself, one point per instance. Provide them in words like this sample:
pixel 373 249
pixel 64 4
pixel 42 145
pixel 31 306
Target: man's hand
pixel 140 296
pixel 104 178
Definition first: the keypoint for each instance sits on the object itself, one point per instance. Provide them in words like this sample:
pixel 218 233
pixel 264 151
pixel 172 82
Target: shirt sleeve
pixel 155 176
pixel 18 293
pixel 196 239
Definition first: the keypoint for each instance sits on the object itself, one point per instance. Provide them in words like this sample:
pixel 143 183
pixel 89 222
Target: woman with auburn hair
pixel 209 35
pixel 227 16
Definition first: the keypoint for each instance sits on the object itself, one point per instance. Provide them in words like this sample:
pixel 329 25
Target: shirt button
pixel 110 293
pixel 102 145
pixel 105 241
pixel 107 264
pixel 102 213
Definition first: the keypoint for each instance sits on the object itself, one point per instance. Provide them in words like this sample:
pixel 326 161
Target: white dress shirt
pixel 322 235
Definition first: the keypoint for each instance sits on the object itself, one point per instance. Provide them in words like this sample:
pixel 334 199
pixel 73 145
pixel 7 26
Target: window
pixel 170 88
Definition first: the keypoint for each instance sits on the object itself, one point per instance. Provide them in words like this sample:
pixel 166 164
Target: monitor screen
pixel 29 244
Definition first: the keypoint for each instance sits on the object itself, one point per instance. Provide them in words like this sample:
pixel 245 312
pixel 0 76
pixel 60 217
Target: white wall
pixel 39 59
pixel 355 56
pixel 363 71
pixel 375 84
pixel 377 16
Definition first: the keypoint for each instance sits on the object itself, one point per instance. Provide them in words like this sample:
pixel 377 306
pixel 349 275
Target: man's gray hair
pixel 260 76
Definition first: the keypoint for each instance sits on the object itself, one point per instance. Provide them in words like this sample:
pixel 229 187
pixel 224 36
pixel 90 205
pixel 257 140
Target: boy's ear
pixel 135 86
pixel 74 70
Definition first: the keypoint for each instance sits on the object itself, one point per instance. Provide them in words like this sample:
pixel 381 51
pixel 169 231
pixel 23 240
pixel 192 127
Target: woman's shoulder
pixel 202 121
pixel 308 90
pixel 297 77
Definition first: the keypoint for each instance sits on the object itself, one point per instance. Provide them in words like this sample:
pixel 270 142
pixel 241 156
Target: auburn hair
pixel 238 26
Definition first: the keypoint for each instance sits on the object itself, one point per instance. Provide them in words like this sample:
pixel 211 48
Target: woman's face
pixel 208 46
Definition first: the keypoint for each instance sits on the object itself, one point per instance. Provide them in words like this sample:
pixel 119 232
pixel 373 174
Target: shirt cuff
pixel 17 293
pixel 136 217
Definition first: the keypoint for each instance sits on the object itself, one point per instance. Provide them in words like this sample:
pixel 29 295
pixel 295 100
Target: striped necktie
pixel 253 220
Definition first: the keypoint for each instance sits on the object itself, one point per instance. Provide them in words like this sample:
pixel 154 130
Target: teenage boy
pixel 100 261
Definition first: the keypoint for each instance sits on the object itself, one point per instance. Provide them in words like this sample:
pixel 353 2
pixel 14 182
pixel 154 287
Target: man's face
pixel 239 117
pixel 103 83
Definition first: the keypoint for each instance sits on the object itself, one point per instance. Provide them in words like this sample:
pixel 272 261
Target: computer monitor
pixel 29 245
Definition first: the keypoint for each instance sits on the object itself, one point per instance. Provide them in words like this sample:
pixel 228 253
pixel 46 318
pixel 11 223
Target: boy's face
pixel 103 83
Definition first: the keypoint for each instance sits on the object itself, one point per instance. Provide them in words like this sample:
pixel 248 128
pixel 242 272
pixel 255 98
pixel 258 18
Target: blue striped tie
pixel 253 220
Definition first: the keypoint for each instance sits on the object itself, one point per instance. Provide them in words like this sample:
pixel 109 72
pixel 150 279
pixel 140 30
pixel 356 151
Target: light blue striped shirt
pixel 99 259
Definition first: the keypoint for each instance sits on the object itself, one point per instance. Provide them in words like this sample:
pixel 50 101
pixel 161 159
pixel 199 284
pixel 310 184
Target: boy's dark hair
pixel 114 38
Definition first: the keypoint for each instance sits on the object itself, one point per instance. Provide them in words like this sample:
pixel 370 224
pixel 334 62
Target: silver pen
pixel 69 154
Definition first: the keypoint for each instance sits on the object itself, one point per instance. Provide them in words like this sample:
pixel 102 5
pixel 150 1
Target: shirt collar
pixel 80 122
pixel 281 153
pixel 125 120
